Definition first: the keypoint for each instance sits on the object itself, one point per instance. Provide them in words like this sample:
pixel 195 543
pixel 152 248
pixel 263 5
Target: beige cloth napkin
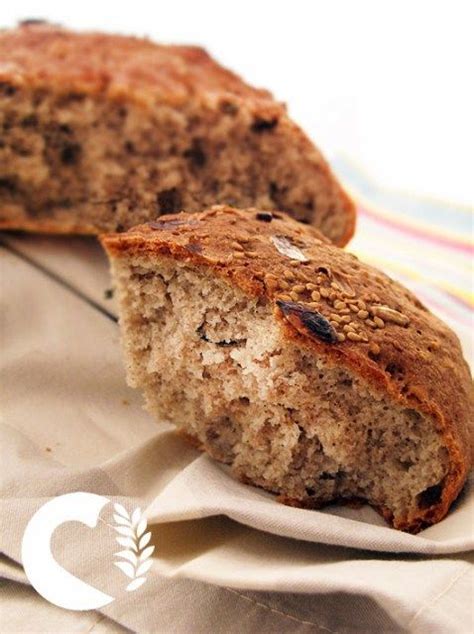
pixel 70 423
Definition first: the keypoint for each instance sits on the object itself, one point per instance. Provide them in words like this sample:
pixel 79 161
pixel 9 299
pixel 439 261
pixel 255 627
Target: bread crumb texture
pixel 103 132
pixel 311 374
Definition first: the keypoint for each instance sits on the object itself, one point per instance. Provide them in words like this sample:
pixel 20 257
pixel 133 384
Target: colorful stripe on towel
pixel 426 244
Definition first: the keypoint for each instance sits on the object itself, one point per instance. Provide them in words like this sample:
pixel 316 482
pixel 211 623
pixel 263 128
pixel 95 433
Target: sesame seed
pixel 348 328
pixel 354 308
pixel 341 337
pixel 237 246
pixel 251 254
pixel 239 255
pixel 283 284
pixel 349 294
pixel 295 262
pixel 374 348
pixel 345 295
pixel 344 311
pixel 338 305
pixel 212 259
pixel 316 296
pixel 334 324
pixel 345 319
pixel 285 298
pixel 319 280
pixel 312 304
pixel 389 314
pixel 324 292
pixel 336 286
pixel 311 287
pixel 294 296
pixel 379 322
pixel 299 288
pixel 353 336
pixel 361 304
pixel 288 275
pixel 302 277
pixel 332 296
pixel 362 314
pixel 335 317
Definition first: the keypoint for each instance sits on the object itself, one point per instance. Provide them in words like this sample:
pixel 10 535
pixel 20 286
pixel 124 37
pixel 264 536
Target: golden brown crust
pixel 48 55
pixel 48 226
pixel 128 69
pixel 327 300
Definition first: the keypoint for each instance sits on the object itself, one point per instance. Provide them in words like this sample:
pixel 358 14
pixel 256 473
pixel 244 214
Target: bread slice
pixel 310 373
pixel 103 132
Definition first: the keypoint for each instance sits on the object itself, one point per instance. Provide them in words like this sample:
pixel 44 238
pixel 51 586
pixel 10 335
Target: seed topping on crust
pixel 264 216
pixel 379 322
pixel 374 349
pixel 389 314
pixel 313 321
pixel 299 288
pixel 312 295
pixel 285 247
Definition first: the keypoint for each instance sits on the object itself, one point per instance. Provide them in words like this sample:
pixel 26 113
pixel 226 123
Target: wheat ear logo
pixel 135 539
pixel 56 584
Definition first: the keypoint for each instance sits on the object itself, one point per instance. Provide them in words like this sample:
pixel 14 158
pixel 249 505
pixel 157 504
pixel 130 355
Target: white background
pixel 388 84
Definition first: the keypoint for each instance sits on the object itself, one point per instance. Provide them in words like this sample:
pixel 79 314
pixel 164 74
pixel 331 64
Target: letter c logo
pixel 53 582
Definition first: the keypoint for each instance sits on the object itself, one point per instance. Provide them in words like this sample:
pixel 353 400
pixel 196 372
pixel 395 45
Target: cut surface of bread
pixel 311 374
pixel 103 132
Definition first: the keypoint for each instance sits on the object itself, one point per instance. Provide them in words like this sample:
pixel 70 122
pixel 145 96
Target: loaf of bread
pixel 310 373
pixel 101 132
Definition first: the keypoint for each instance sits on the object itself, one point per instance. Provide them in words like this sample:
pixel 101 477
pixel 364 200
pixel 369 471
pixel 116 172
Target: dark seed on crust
pixel 325 270
pixel 316 323
pixel 264 125
pixel 264 216
pixel 319 326
pixel 194 247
